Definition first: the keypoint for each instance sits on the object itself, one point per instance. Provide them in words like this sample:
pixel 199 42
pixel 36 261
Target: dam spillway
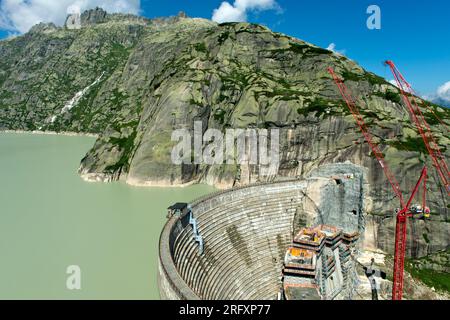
pixel 247 230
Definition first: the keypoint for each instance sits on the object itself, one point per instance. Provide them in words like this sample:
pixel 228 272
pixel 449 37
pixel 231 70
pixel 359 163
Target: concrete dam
pixel 242 243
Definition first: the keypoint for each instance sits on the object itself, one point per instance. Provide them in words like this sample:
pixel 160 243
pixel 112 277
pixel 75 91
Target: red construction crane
pixel 423 126
pixel 405 211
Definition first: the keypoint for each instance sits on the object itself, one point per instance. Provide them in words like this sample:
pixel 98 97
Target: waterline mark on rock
pixel 235 146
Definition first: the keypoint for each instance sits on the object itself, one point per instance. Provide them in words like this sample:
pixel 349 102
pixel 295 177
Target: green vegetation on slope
pixel 410 144
pixel 432 269
pixel 432 278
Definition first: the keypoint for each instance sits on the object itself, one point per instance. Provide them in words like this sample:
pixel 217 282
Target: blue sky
pixel 414 34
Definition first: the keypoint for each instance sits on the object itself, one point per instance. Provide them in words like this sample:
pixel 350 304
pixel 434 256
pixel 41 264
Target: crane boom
pixel 360 121
pixel 422 125
pixel 404 211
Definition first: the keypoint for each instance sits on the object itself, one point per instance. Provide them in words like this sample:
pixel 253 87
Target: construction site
pixel 299 239
pixel 319 264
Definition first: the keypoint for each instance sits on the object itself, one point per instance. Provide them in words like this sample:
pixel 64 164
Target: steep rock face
pixel 423 237
pixel 133 81
pixel 93 16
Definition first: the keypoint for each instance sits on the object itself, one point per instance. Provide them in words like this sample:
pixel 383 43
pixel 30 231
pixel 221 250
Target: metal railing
pixel 197 237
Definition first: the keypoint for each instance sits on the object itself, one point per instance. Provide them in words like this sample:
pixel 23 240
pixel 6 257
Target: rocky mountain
pixel 132 81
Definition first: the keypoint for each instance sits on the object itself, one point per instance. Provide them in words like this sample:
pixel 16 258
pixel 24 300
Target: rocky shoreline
pixel 60 133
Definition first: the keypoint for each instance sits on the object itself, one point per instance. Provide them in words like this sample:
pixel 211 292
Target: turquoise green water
pixel 51 219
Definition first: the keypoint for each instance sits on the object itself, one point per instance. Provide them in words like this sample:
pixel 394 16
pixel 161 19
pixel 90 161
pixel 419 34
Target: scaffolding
pixel 311 262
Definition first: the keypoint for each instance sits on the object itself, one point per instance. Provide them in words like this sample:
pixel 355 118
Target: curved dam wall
pixel 246 233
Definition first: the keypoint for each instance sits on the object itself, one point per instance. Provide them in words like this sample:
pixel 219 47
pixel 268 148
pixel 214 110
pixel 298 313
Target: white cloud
pixel 408 89
pixel 238 11
pixel 393 82
pixel 404 87
pixel 21 15
pixel 332 47
pixel 441 96
pixel 226 12
pixel 443 92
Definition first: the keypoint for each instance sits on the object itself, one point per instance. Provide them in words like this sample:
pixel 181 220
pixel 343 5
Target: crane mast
pixel 404 212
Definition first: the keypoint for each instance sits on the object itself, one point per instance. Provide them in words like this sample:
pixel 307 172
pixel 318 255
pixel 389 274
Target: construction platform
pixel 317 264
